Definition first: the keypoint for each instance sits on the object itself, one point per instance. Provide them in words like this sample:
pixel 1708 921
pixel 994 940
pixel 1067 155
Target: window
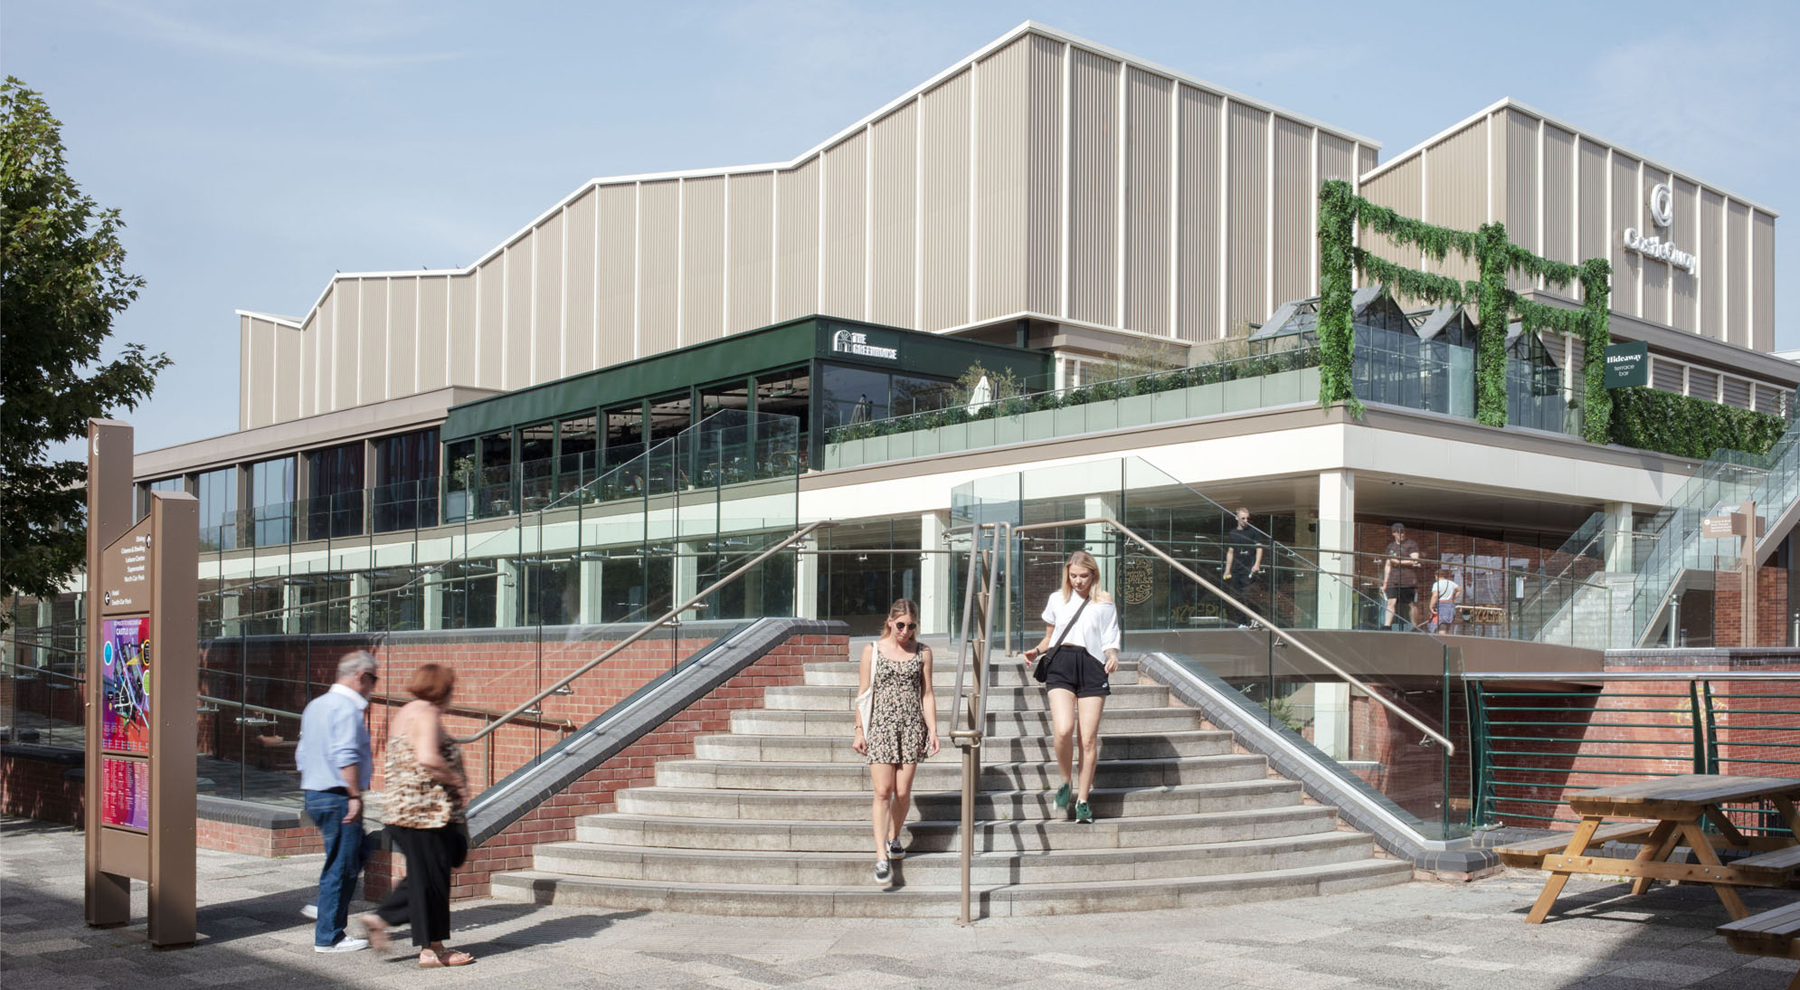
pixel 165 485
pixel 406 484
pixel 624 435
pixel 494 496
pixel 577 454
pixel 272 501
pixel 218 494
pixel 787 393
pixel 537 465
pixel 459 481
pixel 852 395
pixel 334 505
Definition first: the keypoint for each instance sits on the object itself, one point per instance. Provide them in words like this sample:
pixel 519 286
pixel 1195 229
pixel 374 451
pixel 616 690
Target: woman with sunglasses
pixel 896 726
pixel 1080 626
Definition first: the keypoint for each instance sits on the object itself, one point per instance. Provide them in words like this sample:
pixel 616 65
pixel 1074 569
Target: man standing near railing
pixel 335 763
pixel 1242 545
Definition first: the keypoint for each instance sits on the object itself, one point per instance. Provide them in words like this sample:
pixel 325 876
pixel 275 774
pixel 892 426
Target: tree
pixel 62 282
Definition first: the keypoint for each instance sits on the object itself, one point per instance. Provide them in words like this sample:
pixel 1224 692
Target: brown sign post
pixel 142 618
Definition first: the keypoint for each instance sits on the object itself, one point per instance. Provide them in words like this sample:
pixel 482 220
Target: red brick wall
pixel 554 820
pixel 1771 614
pixel 251 840
pixel 34 788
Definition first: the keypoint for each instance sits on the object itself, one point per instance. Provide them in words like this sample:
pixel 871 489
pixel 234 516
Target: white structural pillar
pixel 687 578
pixel 507 588
pixel 806 581
pixel 1337 549
pixel 229 605
pixel 1101 541
pixel 290 607
pixel 592 602
pixel 1619 556
pixel 360 587
pixel 934 574
pixel 431 598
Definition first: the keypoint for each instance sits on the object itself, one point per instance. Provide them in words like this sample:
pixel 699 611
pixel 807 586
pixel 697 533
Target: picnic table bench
pixel 1771 933
pixel 1676 807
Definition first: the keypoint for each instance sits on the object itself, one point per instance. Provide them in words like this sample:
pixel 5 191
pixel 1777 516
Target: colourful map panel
pixel 125 681
pixel 125 793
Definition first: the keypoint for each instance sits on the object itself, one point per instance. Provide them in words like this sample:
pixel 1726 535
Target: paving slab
pixel 1416 936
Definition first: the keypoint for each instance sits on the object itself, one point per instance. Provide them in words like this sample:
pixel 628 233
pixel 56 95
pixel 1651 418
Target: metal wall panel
pixel 1002 150
pixel 1094 188
pixel 434 331
pixel 1667 375
pixel 1456 189
pixel 1735 392
pixel 944 156
pixel 1520 180
pixel 1683 315
pixel 1559 197
pixel 659 266
pixel 402 335
pixel 1711 252
pixel 846 178
pixel 1044 198
pixel 1199 176
pixel 615 288
pixel 1397 189
pixel 894 202
pixel 1737 274
pixel 547 299
pixel 578 287
pixel 1247 217
pixel 797 241
pixel 703 260
pixel 1627 265
pixel 1335 156
pixel 246 350
pixel 1655 273
pixel 1762 282
pixel 748 268
pixel 1703 384
pixel 1371 157
pixel 309 363
pixel 464 347
pixel 520 261
pixel 1147 206
pixel 286 372
pixel 1595 239
pixel 346 342
pixel 372 332
pixel 490 324
pixel 1295 244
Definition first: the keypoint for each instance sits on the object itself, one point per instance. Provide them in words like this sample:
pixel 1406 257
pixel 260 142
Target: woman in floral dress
pixel 896 726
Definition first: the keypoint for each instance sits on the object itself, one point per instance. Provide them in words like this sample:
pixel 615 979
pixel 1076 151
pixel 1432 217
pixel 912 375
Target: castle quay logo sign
pixel 857 343
pixel 1662 214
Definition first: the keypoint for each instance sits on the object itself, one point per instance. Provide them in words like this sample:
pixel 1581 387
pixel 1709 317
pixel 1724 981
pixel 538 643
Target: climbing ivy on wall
pixel 1496 258
pixel 1651 419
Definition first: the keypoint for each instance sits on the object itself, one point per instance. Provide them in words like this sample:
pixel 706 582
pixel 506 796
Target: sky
pixel 256 148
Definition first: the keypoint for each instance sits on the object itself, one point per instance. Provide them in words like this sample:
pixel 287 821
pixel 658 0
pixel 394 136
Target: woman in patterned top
pixel 426 792
pixel 902 725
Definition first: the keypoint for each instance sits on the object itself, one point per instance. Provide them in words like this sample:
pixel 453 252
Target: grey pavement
pixel 1417 935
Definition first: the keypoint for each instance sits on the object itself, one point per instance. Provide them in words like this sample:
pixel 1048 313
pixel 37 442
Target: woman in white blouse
pixel 1080 626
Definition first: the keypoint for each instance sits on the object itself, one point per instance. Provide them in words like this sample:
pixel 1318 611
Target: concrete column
pixel 360 587
pixel 591 598
pixel 806 584
pixel 1337 546
pixel 934 574
pixel 431 598
pixel 1617 543
pixel 1331 718
pixel 229 606
pixel 687 578
pixel 1101 541
pixel 290 608
pixel 507 581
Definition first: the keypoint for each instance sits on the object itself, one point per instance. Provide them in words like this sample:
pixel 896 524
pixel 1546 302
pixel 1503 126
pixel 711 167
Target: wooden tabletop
pixel 1679 797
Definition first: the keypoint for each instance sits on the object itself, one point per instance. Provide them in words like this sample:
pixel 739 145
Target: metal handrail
pixel 975 656
pixel 77 678
pixel 801 534
pixel 1289 638
pixel 1637 675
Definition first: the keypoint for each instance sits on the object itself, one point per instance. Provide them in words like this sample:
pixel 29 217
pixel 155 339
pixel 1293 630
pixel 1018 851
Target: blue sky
pixel 255 148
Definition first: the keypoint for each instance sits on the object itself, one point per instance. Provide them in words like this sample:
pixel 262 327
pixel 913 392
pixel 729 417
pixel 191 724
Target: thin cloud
pixel 336 49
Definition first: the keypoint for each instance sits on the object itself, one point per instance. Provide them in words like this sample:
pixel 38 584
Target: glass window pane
pixel 217 494
pixel 577 454
pixel 853 395
pixel 272 501
pixel 334 492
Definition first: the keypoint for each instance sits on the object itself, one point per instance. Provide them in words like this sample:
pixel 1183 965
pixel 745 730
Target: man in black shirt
pixel 1400 579
pixel 1240 568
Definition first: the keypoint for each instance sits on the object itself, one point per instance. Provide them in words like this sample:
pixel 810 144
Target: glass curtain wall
pixel 334 487
pixel 217 492
pixel 272 501
pixel 406 482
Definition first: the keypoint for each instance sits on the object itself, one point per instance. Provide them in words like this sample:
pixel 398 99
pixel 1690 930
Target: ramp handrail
pixel 799 535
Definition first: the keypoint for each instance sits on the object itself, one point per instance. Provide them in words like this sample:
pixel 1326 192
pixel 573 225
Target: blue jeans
pixel 343 862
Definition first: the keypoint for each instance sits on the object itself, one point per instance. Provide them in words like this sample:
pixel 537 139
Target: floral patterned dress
pixel 415 799
pixel 897 732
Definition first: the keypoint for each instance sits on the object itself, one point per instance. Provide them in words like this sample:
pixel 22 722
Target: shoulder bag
pixel 1040 671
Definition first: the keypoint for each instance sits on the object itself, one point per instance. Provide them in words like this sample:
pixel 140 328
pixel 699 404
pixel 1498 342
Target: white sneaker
pixel 345 944
pixel 882 873
pixel 310 911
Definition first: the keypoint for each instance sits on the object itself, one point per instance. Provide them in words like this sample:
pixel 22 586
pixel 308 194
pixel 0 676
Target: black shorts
pixel 1075 669
pixel 1403 596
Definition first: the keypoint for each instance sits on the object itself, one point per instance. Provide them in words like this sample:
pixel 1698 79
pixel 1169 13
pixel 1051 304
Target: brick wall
pixel 251 840
pixel 1772 617
pixel 34 785
pixel 554 820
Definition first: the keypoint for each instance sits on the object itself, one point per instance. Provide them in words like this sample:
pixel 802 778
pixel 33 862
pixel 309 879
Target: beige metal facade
pixel 1567 195
pixel 1042 177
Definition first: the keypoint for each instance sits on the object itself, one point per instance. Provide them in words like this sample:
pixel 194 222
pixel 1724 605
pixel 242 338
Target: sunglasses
pixel 372 678
pixel 906 625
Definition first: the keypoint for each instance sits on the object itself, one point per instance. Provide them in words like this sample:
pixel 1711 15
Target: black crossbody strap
pixel 1066 629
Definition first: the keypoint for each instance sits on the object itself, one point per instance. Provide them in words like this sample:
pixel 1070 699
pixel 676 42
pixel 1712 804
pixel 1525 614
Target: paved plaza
pixel 1418 935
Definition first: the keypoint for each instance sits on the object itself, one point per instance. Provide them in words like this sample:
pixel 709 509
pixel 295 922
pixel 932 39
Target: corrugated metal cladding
pixel 749 270
pixel 1656 274
pixel 1762 277
pixel 1685 288
pixel 702 259
pixel 247 370
pixel 1559 196
pixel 944 157
pixel 1041 178
pixel 1198 197
pixel 1596 240
pixel 844 289
pixel 1627 265
pixel 1093 188
pixel 1521 186
pixel 1396 189
pixel 894 231
pixel 1712 251
pixel 1456 187
pixel 1737 275
pixel 1666 375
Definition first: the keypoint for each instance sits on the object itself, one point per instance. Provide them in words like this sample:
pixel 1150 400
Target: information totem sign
pixel 142 614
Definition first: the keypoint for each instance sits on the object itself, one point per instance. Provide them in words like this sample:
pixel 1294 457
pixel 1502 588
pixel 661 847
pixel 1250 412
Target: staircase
pixel 773 819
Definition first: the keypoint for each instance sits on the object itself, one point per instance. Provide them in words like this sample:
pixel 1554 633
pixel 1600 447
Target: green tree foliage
pixel 1651 419
pixel 62 269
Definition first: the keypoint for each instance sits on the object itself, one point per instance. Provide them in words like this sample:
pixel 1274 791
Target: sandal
pixel 448 957
pixel 376 930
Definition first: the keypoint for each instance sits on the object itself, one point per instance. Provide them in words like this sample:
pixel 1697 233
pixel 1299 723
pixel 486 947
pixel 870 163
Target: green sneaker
pixel 1062 796
pixel 1084 815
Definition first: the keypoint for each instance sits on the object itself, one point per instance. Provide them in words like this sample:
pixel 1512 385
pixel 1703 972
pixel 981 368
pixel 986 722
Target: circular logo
pixel 106 654
pixel 1138 578
pixel 1662 204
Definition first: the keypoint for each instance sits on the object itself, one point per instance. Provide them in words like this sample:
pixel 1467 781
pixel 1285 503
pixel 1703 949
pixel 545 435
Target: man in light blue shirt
pixel 335 763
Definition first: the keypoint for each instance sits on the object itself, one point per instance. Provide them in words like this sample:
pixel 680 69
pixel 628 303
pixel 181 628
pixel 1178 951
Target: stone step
pixel 1127 721
pixel 1035 775
pixel 1032 806
pixel 665 832
pixel 814 698
pixel 1003 673
pixel 1097 866
pixel 836 749
pixel 870 900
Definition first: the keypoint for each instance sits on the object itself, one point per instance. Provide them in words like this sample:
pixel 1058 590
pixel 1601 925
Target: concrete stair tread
pixel 1220 759
pixel 1196 819
pixel 1331 838
pixel 1260 783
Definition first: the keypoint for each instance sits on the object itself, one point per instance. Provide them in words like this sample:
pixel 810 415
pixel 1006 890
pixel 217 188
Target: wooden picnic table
pixel 1675 808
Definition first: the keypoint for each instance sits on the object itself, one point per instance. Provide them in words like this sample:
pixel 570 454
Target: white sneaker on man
pixel 345 944
pixel 310 911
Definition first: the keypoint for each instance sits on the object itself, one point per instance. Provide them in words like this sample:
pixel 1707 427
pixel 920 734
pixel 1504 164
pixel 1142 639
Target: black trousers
pixel 422 897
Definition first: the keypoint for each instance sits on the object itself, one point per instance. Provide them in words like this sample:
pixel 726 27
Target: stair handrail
pixel 667 617
pixel 974 656
pixel 1287 637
